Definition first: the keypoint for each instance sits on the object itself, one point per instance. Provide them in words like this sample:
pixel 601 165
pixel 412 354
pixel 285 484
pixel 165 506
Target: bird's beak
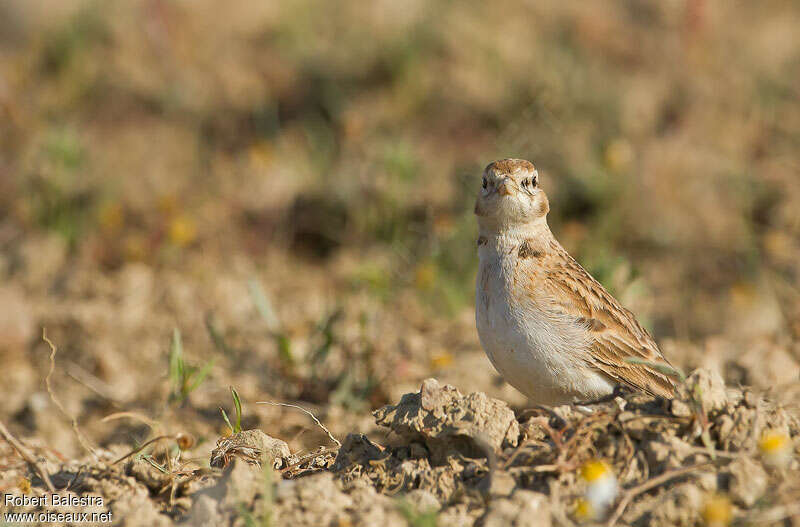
pixel 504 188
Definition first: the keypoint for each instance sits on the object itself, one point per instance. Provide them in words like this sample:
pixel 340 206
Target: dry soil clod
pixel 444 419
pixel 253 446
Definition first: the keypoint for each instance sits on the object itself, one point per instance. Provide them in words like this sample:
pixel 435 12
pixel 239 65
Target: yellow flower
pixel 111 217
pixel 425 276
pixel 24 484
pixel 776 448
pixel 717 511
pixel 601 485
pixel 442 360
pixel 619 155
pixel 584 511
pixel 594 470
pixel 182 231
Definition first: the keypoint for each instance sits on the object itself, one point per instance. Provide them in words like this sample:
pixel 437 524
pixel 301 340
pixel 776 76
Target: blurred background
pixel 290 186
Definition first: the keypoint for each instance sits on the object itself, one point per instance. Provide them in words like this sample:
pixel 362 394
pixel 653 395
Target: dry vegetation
pixel 277 197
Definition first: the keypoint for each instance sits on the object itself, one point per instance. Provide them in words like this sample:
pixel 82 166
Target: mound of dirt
pixel 469 460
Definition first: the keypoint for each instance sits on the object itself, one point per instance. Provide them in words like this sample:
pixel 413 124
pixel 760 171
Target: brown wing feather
pixel 616 333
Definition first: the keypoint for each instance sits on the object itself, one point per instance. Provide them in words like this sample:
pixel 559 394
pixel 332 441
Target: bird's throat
pixel 504 238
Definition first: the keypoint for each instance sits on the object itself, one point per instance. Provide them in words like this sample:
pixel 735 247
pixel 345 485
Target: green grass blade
pixel 237 403
pixel 225 418
pixel 262 303
pixel 285 349
pixel 216 336
pixel 666 369
pixel 155 465
pixel 200 376
pixel 176 366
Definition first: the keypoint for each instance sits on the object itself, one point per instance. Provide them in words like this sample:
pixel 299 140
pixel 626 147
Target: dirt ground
pixel 274 200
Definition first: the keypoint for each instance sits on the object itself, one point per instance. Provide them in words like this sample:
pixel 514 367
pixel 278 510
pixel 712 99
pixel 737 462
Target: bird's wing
pixel 616 334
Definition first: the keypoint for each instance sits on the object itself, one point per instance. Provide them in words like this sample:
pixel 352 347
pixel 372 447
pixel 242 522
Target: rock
pixel 423 501
pixel 707 481
pixel 524 508
pixel 372 508
pixel 679 408
pixel 313 500
pixel 238 487
pixel 137 509
pixel 432 395
pixel 667 452
pixel 254 446
pixel 497 484
pixel 356 449
pixel 679 507
pixel 724 426
pixel 445 420
pixel 458 515
pixel 747 483
pixel 708 388
pixel 204 512
pixel 242 482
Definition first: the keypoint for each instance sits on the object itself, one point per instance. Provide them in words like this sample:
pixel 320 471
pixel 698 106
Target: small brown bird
pixel 550 329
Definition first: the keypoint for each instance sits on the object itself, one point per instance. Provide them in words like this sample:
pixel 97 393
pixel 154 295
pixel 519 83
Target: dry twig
pixel 81 438
pixel 143 446
pixel 648 485
pixel 26 455
pixel 91 382
pixel 131 415
pixel 314 417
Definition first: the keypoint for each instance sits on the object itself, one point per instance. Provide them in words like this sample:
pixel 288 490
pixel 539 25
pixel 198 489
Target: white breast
pixel 536 350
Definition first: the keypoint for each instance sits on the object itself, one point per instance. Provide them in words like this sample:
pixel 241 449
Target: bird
pixel 551 330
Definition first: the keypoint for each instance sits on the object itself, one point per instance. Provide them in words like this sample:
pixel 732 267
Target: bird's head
pixel 509 195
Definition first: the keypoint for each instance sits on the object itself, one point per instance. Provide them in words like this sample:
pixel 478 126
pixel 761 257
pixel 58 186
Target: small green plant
pixel 183 377
pixel 149 459
pixel 284 350
pixel 265 309
pixel 325 333
pixel 237 407
pixel 666 369
pixel 217 337
pixel 262 303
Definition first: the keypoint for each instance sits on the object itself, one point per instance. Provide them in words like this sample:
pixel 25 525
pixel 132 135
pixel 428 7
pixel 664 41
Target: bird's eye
pixel 526 182
pixel 484 183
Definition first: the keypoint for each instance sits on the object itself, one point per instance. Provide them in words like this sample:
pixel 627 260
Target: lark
pixel 549 328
